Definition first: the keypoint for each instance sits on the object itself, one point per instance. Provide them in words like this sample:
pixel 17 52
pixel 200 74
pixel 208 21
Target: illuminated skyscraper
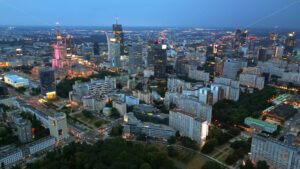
pixel 119 36
pixel 244 37
pixel 160 59
pixel 60 53
pixel 290 43
pixel 115 53
pixel 70 45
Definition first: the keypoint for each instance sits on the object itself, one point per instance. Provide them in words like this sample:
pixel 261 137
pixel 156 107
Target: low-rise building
pixel 131 100
pixel 16 81
pixel 133 126
pixel 260 125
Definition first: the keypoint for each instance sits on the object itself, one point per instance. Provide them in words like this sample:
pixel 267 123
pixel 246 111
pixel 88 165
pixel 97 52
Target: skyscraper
pixel 160 60
pixel 119 36
pixel 60 53
pixel 115 53
pixel 47 82
pixel 70 45
pixel 96 48
pixel 290 43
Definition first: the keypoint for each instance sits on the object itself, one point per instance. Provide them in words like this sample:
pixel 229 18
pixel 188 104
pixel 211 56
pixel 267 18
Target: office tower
pixel 180 62
pixel 119 36
pixel 244 37
pixel 96 49
pixel 60 53
pixel 160 57
pixel 262 54
pixel 58 126
pixel 24 130
pixel 135 57
pixel 231 67
pixel 279 51
pixel 115 53
pixel 188 125
pixel 237 38
pixel 290 43
pixel 70 45
pixel 277 154
pixel 47 82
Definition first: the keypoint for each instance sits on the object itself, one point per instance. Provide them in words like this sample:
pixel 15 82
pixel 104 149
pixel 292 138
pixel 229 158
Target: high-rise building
pixel 47 82
pixel 275 153
pixel 70 45
pixel 119 36
pixel 262 54
pixel 135 58
pixel 160 57
pixel 58 126
pixel 180 62
pixel 244 37
pixel 115 53
pixel 60 53
pixel 24 130
pixel 231 67
pixel 96 49
pixel 279 51
pixel 290 43
pixel 189 125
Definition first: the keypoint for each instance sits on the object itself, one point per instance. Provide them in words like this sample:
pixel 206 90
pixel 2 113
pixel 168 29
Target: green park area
pixel 88 119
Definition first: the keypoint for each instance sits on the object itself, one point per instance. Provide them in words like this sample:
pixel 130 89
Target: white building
pixel 131 100
pixel 11 158
pixel 58 126
pixel 188 125
pixel 120 106
pixel 16 81
pixel 199 75
pixel 275 153
pixel 43 144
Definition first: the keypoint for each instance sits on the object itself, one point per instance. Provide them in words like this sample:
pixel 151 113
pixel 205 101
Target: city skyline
pixel 191 13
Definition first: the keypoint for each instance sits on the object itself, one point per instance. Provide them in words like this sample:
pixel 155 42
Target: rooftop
pixel 263 123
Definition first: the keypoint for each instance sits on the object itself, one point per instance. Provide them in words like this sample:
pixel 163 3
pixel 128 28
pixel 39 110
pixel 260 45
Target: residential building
pixel 58 126
pixel 120 106
pixel 24 130
pixel 131 100
pixel 189 125
pixel 277 154
pixel 260 125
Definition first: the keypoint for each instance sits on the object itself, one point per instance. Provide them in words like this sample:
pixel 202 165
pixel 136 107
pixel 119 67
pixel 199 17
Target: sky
pixel 184 13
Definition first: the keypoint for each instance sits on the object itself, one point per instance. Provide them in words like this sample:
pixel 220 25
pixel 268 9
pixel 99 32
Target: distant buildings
pixel 231 67
pixel 199 75
pixel 60 53
pixel 16 81
pixel 275 153
pixel 189 125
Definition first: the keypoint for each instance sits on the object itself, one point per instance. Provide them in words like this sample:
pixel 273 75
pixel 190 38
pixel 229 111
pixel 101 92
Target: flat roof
pixel 261 122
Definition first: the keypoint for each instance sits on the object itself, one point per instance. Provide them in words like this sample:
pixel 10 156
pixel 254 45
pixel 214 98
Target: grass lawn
pixel 93 122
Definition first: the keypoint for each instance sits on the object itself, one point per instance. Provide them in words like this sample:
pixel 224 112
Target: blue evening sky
pixel 196 13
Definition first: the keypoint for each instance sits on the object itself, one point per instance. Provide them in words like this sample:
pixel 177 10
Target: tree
pixel 141 137
pixel 145 166
pixel 209 146
pixel 212 165
pixel 189 143
pixel 115 113
pixel 116 131
pixel 177 134
pixel 119 86
pixel 262 165
pixel 248 165
pixel 172 152
pixel 172 140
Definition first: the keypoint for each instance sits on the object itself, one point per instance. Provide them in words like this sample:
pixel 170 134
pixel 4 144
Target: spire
pixel 117 20
pixel 58 36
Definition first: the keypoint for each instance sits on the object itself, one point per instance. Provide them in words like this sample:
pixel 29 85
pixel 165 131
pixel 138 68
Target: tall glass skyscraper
pixel 47 81
pixel 119 36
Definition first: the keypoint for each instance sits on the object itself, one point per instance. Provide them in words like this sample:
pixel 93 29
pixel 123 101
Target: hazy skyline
pixel 191 13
